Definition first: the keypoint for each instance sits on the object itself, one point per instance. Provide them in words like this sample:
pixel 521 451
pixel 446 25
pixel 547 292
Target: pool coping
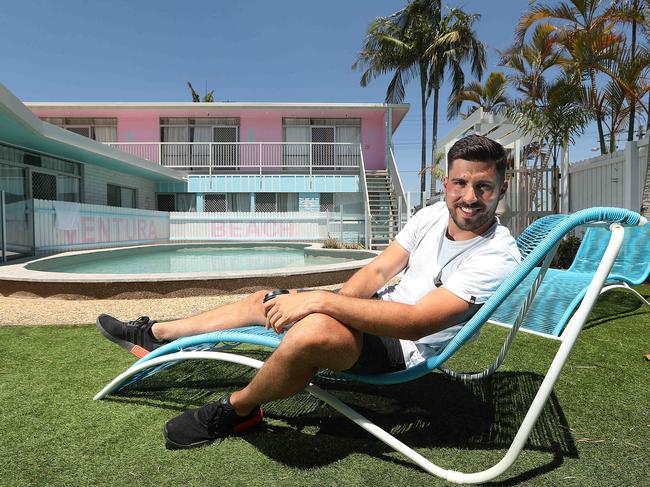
pixel 16 279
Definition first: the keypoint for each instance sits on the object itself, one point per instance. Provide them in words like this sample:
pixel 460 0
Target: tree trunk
pixel 645 200
pixel 423 102
pixel 630 130
pixel 599 116
pixel 434 137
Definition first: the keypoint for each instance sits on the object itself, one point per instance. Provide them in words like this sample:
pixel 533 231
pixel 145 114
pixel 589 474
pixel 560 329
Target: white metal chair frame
pixel 569 337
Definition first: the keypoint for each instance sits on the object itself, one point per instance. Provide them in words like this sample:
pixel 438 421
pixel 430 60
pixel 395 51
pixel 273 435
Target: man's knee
pixel 321 336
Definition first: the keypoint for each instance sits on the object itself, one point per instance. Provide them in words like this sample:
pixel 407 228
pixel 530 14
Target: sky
pixel 266 51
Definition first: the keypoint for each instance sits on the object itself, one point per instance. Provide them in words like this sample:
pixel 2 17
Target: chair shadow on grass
pixel 432 412
pixel 614 305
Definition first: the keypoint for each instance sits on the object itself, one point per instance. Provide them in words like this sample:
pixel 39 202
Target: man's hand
pixel 285 309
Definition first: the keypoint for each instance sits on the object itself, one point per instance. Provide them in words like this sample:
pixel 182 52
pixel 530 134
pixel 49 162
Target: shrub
pixel 332 243
pixel 566 252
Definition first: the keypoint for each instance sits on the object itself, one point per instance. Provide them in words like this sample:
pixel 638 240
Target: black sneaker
pixel 135 335
pixel 202 426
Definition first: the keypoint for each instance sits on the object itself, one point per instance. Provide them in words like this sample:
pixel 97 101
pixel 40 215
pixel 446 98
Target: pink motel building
pixel 209 157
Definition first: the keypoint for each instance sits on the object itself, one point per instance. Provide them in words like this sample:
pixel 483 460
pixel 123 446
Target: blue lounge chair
pixel 562 290
pixel 537 244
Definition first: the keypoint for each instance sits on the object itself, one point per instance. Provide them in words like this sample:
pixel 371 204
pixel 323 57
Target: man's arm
pixel 368 280
pixel 435 311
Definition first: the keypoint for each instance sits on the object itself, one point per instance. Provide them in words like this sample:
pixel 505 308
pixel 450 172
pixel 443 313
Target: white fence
pixel 253 156
pixel 248 226
pixel 611 180
pixel 61 226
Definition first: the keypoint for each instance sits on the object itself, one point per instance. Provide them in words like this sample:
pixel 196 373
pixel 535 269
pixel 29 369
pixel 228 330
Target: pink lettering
pixel 87 229
pixel 142 224
pixel 118 232
pixel 70 236
pixel 153 235
pixel 217 230
pixel 104 229
pixel 131 230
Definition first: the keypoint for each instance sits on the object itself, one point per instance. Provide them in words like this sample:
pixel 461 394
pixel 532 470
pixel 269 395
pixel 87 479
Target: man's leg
pixel 317 341
pixel 143 335
pixel 245 312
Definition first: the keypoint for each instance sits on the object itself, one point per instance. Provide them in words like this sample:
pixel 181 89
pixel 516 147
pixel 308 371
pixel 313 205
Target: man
pixel 454 256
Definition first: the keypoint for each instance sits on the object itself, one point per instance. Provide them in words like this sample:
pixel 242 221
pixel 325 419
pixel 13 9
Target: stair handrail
pixel 396 184
pixel 366 199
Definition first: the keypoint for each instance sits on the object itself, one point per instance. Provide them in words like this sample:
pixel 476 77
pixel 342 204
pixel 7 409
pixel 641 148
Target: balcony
pixel 249 157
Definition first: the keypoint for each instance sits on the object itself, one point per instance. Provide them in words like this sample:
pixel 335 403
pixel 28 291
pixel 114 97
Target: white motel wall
pixel 62 226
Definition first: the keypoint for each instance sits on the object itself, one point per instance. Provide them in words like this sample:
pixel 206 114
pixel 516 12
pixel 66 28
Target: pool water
pixel 197 259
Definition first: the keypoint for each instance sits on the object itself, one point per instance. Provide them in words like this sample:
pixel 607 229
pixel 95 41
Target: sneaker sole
pixel 136 350
pixel 171 445
pixel 238 429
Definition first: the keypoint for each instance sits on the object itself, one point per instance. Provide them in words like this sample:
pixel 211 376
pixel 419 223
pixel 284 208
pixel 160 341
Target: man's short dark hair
pixel 477 148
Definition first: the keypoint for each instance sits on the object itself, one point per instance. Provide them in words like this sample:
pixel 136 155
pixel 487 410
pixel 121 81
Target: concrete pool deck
pixel 48 311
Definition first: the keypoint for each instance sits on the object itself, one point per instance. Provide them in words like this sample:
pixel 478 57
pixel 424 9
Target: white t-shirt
pixel 470 269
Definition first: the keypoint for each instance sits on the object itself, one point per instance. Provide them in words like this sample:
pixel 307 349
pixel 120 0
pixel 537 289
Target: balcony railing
pixel 252 156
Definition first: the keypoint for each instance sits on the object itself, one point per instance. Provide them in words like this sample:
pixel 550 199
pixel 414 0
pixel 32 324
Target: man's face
pixel 473 191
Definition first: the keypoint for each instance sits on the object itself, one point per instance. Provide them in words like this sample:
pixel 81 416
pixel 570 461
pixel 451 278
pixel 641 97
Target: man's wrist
pixel 320 303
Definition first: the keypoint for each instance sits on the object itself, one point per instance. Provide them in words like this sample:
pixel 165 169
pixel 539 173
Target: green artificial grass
pixel 594 431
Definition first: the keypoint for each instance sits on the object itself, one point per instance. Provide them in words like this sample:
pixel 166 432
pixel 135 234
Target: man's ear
pixel 504 188
pixel 444 184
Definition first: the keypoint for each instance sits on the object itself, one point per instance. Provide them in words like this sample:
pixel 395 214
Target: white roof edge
pixel 20 111
pixel 23 115
pixel 186 105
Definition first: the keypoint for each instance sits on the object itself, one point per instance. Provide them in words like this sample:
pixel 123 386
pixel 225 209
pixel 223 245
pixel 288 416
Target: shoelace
pixel 214 420
pixel 134 328
pixel 142 320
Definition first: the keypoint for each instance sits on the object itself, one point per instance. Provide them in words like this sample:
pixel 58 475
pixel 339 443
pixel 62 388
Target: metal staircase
pixel 384 223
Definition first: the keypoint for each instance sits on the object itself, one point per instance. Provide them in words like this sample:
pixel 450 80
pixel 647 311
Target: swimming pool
pixel 177 270
pixel 182 259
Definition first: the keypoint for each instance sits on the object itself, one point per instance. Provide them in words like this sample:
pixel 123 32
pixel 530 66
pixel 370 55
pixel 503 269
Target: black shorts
pixel 378 355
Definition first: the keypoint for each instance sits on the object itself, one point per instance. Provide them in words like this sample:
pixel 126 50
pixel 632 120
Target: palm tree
pixel 397 44
pixel 208 97
pixel 585 35
pixel 555 122
pixel 633 12
pixel 625 92
pixel 491 96
pixel 530 61
pixel 455 43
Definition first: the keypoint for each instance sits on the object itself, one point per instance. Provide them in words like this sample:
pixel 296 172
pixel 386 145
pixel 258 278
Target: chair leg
pixel 363 422
pixel 572 331
pixel 627 288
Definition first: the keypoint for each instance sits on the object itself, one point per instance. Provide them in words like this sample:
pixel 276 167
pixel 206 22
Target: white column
pixel 564 182
pixel 632 185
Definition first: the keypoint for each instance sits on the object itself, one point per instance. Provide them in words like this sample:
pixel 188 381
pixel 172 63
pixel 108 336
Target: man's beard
pixel 484 216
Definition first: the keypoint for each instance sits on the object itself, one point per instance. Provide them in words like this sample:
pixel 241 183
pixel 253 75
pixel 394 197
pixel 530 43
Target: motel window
pixel 120 196
pixel 215 203
pixel 231 202
pixel 192 137
pixel 165 202
pixel 327 202
pixel 319 142
pixel 276 202
pixel 99 129
pixel 51 178
pixel 213 129
pixel 185 202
